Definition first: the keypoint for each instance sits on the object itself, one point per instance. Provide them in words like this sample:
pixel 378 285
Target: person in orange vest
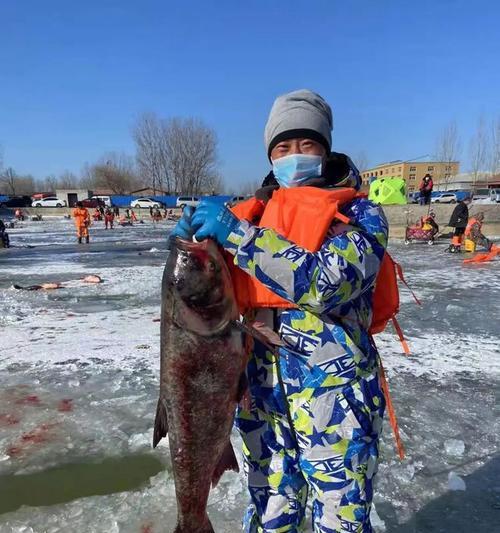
pixel 82 222
pixel 304 255
pixel 473 233
pixel 109 218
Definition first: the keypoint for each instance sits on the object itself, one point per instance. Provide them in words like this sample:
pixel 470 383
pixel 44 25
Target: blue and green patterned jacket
pixel 332 288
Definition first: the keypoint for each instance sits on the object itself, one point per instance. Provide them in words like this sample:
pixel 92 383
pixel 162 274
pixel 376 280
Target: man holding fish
pixel 304 255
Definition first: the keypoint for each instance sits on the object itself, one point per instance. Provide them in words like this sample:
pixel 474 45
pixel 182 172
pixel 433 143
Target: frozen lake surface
pixel 79 368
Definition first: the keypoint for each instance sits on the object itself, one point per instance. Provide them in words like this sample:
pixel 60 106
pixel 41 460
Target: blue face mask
pixel 293 170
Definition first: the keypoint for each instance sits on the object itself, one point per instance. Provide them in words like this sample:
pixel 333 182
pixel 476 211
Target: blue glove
pixel 183 228
pixel 214 220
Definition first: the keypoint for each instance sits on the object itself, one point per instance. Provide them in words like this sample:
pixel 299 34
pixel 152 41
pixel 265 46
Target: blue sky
pixel 75 75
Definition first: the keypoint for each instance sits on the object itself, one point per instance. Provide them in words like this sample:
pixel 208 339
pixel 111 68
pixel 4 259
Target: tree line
pixel 483 149
pixel 173 156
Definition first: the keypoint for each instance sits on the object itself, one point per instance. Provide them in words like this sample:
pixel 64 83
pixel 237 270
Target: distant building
pixel 412 172
pixel 468 182
pixel 73 195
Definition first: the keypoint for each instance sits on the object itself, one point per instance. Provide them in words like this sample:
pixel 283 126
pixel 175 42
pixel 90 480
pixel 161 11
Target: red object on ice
pixel 32 399
pixel 8 420
pixel 65 405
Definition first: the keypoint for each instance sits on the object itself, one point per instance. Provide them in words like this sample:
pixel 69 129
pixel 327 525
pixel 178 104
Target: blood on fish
pixel 147 528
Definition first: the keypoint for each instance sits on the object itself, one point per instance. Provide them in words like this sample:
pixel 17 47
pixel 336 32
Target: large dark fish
pixel 202 375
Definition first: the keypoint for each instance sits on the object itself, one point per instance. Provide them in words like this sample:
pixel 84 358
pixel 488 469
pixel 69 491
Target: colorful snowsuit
pixel 325 383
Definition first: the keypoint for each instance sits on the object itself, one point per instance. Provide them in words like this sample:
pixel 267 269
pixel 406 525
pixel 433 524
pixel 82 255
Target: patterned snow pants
pixel 330 454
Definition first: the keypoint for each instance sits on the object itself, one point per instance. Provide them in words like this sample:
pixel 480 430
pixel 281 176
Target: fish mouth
pixel 184 244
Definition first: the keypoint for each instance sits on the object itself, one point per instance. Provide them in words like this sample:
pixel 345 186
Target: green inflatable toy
pixel 388 191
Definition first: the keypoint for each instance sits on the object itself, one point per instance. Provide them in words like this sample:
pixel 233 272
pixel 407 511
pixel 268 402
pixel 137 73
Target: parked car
pixel 16 201
pixel 495 195
pixel 486 196
pixel 414 197
pixel 183 201
pixel 105 199
pixel 92 202
pixel 139 203
pixel 51 201
pixel 445 198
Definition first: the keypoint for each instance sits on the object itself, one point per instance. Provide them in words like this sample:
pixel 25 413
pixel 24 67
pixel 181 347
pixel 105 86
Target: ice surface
pixel 455 482
pixel 454 447
pixel 79 370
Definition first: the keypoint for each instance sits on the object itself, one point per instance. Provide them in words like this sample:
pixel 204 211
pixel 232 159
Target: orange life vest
pixel 304 215
pixel 470 223
pixel 81 215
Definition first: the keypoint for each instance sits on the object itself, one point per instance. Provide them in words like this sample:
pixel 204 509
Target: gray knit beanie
pixel 297 114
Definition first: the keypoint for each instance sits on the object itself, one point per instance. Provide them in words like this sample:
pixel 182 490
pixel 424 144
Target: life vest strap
pixel 401 336
pixel 392 413
pixel 399 270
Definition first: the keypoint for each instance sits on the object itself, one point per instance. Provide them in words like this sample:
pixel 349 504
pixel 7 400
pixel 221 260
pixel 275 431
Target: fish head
pixel 202 288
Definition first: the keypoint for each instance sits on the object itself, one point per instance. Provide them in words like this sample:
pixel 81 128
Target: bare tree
pixel 479 151
pixel 67 180
pixel 248 188
pixel 448 147
pixel 360 159
pixel 495 147
pixel 9 181
pixel 13 184
pixel 114 171
pixel 179 154
pixel 151 158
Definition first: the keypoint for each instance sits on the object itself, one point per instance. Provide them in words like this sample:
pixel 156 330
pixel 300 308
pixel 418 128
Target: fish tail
pixel 161 423
pixel 207 528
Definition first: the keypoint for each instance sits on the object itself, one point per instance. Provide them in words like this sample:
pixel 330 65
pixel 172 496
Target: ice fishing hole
pixel 77 480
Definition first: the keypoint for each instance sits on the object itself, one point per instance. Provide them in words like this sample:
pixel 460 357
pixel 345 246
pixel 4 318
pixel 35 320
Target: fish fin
pixel 267 333
pixel 161 423
pixel 243 394
pixel 242 387
pixel 260 332
pixel 227 461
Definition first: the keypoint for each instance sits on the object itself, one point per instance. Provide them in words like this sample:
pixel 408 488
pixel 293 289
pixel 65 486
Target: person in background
pixel 458 220
pixel 127 214
pixel 133 216
pixel 311 430
pixel 157 215
pixel 473 233
pixel 429 223
pixel 19 214
pixel 425 188
pixel 82 222
pixel 109 218
pixel 96 215
pixel 151 211
pixel 116 211
pixel 4 236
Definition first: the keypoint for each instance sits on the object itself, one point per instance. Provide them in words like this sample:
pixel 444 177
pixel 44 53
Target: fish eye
pixel 211 266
